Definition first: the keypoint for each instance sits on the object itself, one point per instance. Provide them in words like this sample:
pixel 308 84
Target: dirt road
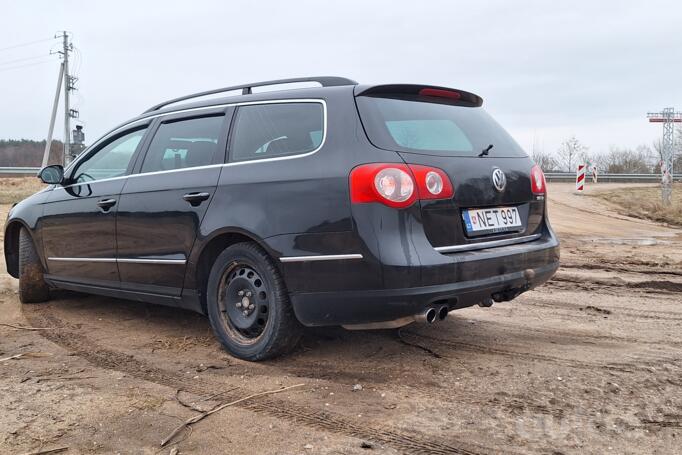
pixel 589 363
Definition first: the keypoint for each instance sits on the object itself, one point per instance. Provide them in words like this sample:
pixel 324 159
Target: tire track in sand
pixel 73 340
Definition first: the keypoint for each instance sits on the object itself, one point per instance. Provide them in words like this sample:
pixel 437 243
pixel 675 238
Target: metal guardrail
pixel 610 178
pixel 19 171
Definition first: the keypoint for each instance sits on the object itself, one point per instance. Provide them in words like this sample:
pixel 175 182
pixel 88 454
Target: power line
pixel 26 44
pixel 9 62
pixel 49 60
pixel 77 60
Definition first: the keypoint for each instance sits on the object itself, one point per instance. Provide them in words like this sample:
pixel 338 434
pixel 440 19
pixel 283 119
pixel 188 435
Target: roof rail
pixel 324 81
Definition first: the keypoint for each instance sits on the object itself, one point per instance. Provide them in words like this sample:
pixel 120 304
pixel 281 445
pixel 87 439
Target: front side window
pixel 184 143
pixel 278 129
pixel 110 161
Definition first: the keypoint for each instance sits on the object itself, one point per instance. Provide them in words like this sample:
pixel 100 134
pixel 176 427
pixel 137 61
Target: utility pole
pixel 48 142
pixel 69 85
pixel 69 81
pixel 668 117
pixel 67 114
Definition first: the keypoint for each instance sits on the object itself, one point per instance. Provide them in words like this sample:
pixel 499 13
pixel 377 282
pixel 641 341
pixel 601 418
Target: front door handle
pixel 196 198
pixel 106 204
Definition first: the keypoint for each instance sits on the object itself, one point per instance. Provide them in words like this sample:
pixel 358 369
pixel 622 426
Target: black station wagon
pixel 366 206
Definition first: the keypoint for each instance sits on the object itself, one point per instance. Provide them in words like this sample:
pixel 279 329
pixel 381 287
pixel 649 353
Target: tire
pixel 248 304
pixel 32 285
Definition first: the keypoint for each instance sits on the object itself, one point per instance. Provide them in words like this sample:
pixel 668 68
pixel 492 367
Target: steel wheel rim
pixel 244 302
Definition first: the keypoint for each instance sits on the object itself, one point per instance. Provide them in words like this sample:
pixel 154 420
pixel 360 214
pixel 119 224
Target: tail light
pixel 432 183
pixel 537 180
pixel 390 184
pixel 398 185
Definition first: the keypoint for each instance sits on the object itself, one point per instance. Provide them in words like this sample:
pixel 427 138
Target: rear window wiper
pixel 485 151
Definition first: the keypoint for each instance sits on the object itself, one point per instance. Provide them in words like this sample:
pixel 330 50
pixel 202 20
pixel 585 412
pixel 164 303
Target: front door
pixel 79 222
pixel 163 203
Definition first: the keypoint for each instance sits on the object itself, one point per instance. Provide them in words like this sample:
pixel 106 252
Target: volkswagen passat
pixel 366 206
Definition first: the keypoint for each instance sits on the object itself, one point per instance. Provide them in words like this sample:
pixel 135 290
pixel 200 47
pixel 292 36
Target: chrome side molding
pixel 484 245
pixel 327 257
pixel 152 261
pixel 55 259
pixel 124 260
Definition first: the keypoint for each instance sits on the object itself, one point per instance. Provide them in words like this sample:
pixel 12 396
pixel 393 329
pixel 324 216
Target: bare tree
pixel 658 148
pixel 677 158
pixel 599 160
pixel 570 151
pixel 650 156
pixel 627 161
pixel 546 161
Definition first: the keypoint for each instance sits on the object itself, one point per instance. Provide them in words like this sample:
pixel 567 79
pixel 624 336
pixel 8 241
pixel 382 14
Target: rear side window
pixel 419 126
pixel 278 129
pixel 183 143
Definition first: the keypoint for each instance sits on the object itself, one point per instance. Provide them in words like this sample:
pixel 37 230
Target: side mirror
pixel 52 175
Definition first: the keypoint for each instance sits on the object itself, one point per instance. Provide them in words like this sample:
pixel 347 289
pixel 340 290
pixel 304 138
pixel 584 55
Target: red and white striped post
pixel 580 178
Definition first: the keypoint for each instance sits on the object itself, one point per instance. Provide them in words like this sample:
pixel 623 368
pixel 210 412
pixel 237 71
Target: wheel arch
pixel 208 250
pixel 11 245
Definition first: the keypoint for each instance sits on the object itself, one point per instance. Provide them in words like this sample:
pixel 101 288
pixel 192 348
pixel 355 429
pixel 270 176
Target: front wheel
pixel 248 306
pixel 32 285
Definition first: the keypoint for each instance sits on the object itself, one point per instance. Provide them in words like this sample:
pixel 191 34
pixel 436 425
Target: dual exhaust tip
pixel 433 314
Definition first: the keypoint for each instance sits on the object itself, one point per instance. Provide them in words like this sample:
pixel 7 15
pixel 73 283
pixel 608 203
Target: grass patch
pixel 14 189
pixel 645 202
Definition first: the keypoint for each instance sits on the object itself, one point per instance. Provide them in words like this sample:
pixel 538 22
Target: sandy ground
pixel 589 363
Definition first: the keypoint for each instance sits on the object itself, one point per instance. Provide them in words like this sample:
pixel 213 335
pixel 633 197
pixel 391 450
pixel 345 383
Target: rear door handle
pixel 106 204
pixel 196 198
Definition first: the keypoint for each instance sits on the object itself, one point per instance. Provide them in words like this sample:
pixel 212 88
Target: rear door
pixel 79 221
pixel 164 201
pixel 492 190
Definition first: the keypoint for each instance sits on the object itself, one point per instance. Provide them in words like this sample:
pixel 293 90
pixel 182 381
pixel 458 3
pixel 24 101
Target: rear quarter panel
pixel 296 206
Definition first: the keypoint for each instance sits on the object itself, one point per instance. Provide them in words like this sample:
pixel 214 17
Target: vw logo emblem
pixel 499 179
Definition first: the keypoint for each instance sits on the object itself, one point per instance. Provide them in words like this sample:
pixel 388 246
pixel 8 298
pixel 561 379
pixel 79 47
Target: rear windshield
pixel 418 126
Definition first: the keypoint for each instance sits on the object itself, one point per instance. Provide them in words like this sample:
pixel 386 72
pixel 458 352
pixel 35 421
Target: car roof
pixel 328 85
pixel 292 93
pixel 325 82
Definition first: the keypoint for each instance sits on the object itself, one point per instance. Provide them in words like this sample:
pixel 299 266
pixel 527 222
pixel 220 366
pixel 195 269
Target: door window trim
pixel 219 157
pixel 99 145
pixel 131 125
pixel 278 158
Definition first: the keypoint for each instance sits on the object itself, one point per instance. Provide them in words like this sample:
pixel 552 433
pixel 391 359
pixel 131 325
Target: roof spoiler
pixel 324 81
pixel 427 92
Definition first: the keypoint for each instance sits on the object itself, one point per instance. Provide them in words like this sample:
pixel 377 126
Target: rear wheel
pixel 248 306
pixel 32 285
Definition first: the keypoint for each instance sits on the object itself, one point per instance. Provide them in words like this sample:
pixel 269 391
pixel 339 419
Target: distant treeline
pixel 28 153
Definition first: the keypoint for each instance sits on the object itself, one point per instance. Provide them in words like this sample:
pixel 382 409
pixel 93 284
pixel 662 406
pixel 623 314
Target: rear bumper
pixel 458 280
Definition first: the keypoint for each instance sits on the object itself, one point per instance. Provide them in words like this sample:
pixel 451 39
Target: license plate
pixel 495 219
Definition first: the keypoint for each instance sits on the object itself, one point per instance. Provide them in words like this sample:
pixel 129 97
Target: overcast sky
pixel 546 70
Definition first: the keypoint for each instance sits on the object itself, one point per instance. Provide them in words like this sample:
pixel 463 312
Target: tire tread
pixel 32 285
